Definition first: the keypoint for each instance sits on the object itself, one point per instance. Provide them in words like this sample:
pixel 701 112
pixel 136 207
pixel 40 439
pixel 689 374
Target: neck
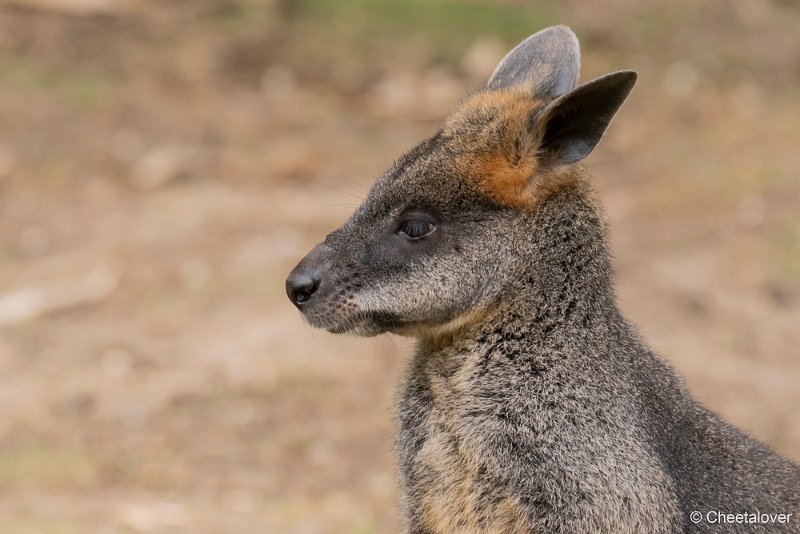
pixel 568 275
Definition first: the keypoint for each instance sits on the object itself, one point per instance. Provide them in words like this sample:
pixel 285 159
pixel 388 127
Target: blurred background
pixel 164 164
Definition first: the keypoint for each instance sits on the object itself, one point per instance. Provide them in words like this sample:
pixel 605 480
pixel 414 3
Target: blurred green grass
pixel 37 464
pixel 452 26
pixel 81 87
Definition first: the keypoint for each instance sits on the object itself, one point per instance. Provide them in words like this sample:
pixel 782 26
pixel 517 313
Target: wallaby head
pixel 458 221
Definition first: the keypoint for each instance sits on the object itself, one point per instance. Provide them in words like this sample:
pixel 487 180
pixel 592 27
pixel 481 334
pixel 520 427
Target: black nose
pixel 301 285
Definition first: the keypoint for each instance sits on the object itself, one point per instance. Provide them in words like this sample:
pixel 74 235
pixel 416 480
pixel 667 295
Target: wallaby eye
pixel 416 228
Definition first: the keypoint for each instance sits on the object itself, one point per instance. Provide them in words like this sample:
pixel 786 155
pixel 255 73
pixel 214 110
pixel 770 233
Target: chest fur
pixel 457 498
pixel 448 486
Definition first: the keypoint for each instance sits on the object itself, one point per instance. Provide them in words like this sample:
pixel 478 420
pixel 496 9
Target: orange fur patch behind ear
pixel 490 119
pixel 495 148
pixel 491 134
pixel 505 181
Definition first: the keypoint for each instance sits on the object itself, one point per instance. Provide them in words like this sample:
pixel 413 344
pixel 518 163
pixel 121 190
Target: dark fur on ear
pixel 545 65
pixel 571 126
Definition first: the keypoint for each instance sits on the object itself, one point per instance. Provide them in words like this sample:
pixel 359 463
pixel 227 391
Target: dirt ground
pixel 163 166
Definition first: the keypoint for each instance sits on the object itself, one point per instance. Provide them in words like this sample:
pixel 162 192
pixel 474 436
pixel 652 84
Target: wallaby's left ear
pixel 572 125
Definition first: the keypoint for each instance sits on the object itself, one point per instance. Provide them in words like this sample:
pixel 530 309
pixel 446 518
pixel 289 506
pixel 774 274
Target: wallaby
pixel 531 404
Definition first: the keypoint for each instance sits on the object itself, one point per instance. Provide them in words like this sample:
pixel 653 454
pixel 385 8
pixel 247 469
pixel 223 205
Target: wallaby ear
pixel 545 65
pixel 571 126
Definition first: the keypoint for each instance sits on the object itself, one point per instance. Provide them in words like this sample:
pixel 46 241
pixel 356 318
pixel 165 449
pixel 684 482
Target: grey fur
pixel 531 404
pixel 547 64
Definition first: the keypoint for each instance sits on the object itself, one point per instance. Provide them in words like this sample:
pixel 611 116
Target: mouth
pixel 364 330
pixel 355 323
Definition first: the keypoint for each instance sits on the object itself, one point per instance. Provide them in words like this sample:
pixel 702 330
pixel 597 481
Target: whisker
pixel 331 188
